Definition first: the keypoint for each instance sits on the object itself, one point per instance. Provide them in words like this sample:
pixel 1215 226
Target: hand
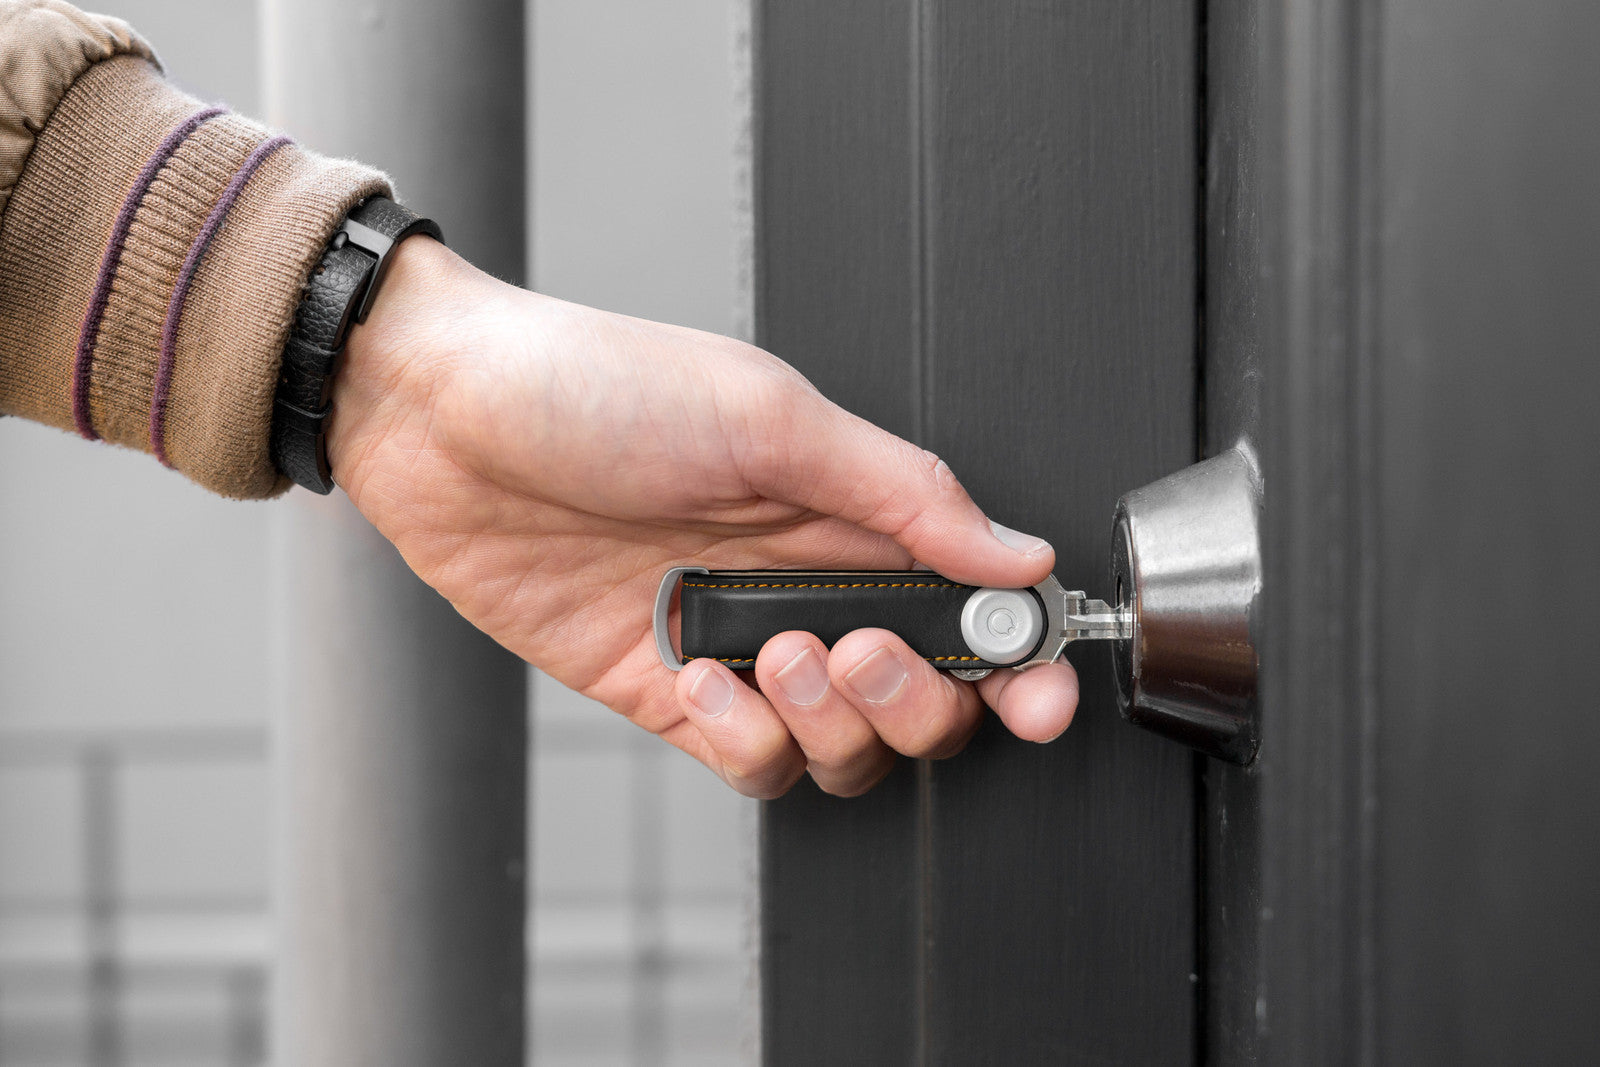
pixel 541 464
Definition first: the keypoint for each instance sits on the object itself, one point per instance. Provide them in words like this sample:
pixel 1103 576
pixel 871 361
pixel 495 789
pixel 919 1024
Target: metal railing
pixel 65 997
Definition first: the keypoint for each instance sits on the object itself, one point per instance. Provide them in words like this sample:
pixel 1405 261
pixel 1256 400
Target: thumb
pixel 838 464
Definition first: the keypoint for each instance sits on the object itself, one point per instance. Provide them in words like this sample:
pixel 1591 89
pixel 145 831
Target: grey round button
pixel 1001 625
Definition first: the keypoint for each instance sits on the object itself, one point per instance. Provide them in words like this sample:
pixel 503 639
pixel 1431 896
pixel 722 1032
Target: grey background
pixel 137 649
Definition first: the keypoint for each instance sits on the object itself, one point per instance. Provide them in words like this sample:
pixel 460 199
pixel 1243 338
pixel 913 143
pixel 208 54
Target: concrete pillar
pixel 401 740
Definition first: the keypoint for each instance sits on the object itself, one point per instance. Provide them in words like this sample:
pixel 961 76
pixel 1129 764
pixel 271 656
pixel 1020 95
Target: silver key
pixel 1070 615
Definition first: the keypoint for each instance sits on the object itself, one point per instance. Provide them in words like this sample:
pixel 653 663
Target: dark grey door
pixel 977 227
pixel 1403 251
pixel 1072 247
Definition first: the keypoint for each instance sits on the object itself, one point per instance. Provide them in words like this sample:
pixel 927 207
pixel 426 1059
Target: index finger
pixel 833 462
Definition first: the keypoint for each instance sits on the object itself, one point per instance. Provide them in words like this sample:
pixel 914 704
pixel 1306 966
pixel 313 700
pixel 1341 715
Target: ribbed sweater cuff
pixel 151 259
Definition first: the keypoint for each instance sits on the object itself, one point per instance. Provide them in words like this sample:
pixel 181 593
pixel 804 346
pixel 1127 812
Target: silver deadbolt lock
pixel 1186 568
pixel 1186 565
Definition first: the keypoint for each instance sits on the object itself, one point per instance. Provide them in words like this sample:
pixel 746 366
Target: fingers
pixel 915 709
pixel 835 463
pixel 842 715
pixel 755 753
pixel 1036 704
pixel 843 752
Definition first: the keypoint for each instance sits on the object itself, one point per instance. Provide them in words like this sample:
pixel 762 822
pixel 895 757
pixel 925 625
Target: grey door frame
pixel 1288 898
pixel 1430 769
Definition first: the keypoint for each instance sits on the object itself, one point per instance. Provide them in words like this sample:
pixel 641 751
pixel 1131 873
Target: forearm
pixel 152 254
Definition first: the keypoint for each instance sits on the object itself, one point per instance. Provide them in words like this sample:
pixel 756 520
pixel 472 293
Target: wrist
pixel 390 367
pixel 338 295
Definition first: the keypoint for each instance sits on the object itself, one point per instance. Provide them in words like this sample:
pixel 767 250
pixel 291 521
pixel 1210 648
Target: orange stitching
pixel 824 585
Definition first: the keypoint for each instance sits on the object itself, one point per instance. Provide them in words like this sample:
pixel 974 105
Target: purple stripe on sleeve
pixel 180 292
pixel 89 334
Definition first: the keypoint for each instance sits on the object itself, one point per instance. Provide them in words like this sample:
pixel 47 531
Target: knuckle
pixel 847 790
pixel 854 782
pixel 952 745
pixel 780 390
pixel 769 785
pixel 765 773
pixel 942 735
pixel 937 469
pixel 930 745
pixel 842 755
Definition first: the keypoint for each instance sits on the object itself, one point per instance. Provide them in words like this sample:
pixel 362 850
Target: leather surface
pixel 392 220
pixel 321 325
pixel 306 374
pixel 729 615
pixel 299 448
pixel 323 314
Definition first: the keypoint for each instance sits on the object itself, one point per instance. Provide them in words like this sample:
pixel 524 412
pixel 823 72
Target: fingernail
pixel 1055 735
pixel 878 677
pixel 711 693
pixel 1017 541
pixel 804 680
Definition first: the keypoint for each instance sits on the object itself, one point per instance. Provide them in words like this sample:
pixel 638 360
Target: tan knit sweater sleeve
pixel 152 249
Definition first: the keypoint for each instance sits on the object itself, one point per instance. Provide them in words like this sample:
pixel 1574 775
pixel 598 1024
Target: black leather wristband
pixel 729 615
pixel 338 294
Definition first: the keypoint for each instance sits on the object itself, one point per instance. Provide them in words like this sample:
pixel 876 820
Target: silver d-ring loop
pixel 669 582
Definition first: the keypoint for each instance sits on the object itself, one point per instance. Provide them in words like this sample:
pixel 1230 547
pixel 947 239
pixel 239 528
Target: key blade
pixel 1075 617
pixel 1094 620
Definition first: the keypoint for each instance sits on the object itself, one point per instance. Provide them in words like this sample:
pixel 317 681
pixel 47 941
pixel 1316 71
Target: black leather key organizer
pixel 729 615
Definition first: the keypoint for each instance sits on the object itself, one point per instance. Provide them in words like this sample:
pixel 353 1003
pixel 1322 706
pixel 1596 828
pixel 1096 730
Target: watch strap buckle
pixel 377 245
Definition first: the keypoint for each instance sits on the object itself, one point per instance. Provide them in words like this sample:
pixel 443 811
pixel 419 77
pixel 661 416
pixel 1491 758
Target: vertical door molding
pixel 841 890
pixel 976 226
